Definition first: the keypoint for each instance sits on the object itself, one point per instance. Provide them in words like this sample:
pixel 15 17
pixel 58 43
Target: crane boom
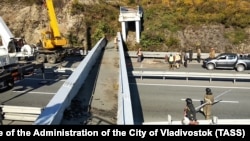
pixel 53 19
pixel 52 39
pixel 51 47
pixel 5 33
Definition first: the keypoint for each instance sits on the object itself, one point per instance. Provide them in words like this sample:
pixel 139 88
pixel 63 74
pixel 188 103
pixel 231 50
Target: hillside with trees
pixel 168 25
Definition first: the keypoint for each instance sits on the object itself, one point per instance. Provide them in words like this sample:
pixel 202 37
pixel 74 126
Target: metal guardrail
pixel 161 55
pixel 188 75
pixel 125 112
pixel 213 121
pixel 53 112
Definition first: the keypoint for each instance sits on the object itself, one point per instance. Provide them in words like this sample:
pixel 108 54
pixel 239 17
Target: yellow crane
pixel 52 38
pixel 52 43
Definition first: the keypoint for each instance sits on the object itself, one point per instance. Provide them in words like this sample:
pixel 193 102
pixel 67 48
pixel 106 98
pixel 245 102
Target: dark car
pixel 228 61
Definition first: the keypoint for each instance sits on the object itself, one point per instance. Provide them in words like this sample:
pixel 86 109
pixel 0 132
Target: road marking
pixel 46 79
pixel 198 100
pixel 202 86
pixel 34 92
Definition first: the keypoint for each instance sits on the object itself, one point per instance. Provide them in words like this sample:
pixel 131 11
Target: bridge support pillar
pixel 124 30
pixel 138 31
pixel 127 15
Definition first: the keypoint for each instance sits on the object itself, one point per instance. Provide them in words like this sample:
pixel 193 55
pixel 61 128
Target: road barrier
pixel 125 112
pixel 54 110
pixel 189 75
pixel 161 55
pixel 214 121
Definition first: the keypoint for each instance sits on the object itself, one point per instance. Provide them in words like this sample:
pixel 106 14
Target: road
pixel 155 99
pixel 38 89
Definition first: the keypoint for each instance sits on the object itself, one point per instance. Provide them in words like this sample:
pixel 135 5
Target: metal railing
pixel 52 114
pixel 161 55
pixel 214 121
pixel 189 75
pixel 125 111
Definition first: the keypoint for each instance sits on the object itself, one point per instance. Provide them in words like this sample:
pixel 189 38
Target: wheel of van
pixel 51 59
pixel 240 68
pixel 210 66
pixel 40 58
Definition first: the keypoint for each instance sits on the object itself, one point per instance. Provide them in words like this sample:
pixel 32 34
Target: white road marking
pixel 219 101
pixel 46 79
pixel 202 86
pixel 34 92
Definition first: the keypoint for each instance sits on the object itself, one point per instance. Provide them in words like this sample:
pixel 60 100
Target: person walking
pixel 190 113
pixel 116 43
pixel 139 55
pixel 209 99
pixel 198 55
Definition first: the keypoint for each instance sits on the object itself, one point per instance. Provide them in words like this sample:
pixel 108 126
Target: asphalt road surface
pixel 155 99
pixel 38 89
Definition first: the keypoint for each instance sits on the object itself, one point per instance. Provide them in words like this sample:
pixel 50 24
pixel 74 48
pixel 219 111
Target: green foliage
pixel 172 42
pixel 24 2
pixel 72 39
pixel 101 31
pixel 149 39
pixel 166 19
pixel 237 36
pixel 77 8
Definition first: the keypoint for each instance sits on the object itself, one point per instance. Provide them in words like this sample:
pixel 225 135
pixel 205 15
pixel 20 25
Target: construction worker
pixel 209 99
pixel 189 113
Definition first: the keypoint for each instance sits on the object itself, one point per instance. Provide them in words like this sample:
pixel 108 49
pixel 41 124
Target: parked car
pixel 228 61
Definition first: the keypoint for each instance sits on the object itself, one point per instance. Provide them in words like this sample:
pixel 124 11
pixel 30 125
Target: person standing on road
pixel 198 55
pixel 185 59
pixel 190 113
pixel 116 43
pixel 139 55
pixel 177 60
pixel 1 116
pixel 182 54
pixel 209 99
pixel 171 61
pixel 212 53
pixel 190 55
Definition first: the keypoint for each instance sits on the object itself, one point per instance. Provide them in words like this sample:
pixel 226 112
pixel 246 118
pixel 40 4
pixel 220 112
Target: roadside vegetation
pixel 163 17
pixel 166 17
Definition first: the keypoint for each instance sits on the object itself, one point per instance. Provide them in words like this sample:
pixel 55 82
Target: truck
pixel 11 49
pixel 239 62
pixel 52 47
